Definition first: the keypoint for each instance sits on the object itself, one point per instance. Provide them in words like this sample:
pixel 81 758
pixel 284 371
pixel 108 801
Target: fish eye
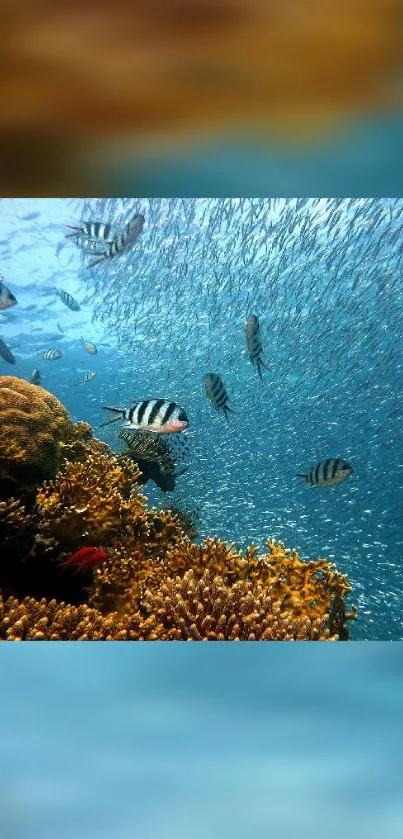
pixel 182 416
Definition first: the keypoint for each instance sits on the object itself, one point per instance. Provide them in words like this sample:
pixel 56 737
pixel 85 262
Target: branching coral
pixel 205 608
pixel 153 583
pixel 34 424
pixel 92 502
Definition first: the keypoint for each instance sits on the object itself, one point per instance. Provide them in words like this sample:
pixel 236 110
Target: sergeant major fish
pixel 327 473
pixel 6 353
pixel 156 415
pixel 217 394
pixel 51 355
pixel 68 300
pixel 121 241
pixel 7 298
pixel 254 343
pixel 93 230
pixel 87 345
pixel 35 378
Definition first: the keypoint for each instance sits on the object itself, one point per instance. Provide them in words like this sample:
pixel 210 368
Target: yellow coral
pixel 34 424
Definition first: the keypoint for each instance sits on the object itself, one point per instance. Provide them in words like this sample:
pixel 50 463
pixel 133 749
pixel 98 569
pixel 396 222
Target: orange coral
pixel 93 501
pixel 154 583
pixel 34 424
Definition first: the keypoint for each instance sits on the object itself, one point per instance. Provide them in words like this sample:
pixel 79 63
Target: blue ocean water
pixel 323 276
pixel 170 741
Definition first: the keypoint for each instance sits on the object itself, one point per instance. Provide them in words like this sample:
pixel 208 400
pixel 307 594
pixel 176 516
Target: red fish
pixel 85 558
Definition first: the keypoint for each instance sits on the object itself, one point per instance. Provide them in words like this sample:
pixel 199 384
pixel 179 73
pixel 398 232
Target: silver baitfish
pixel 7 298
pixel 88 377
pixel 6 353
pixel 122 240
pixel 157 415
pixel 60 328
pixel 254 343
pixel 87 345
pixel 327 473
pixel 35 378
pixel 52 355
pixel 68 300
pixel 217 394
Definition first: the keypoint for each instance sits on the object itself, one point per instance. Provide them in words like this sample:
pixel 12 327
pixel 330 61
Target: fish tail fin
pixel 97 259
pixel 230 410
pixel 119 411
pixel 304 477
pixel 76 230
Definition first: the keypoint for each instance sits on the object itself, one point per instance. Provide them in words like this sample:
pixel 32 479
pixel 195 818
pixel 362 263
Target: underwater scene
pixel 200 406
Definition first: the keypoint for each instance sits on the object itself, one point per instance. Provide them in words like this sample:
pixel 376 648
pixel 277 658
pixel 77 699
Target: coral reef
pixel 34 424
pixel 151 581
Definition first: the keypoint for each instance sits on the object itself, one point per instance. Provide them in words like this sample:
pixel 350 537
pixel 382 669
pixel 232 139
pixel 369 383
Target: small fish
pixel 85 559
pixel 156 415
pixel 122 240
pixel 87 345
pixel 35 377
pixel 68 300
pixel 60 328
pixel 6 353
pixel 88 377
pixel 254 343
pixel 51 355
pixel 329 472
pixel 7 298
pixel 217 394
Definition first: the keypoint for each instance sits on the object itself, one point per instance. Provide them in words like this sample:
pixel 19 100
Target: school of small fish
pixel 295 308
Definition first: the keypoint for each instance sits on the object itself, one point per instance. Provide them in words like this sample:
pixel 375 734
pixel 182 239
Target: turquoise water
pixel 324 277
pixel 209 741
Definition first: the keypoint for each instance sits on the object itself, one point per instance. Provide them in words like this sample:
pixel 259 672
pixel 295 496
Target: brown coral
pixel 93 501
pixel 34 424
pixel 205 608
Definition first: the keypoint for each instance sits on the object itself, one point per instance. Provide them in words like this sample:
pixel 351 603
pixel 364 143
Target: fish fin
pixel 76 230
pixel 97 259
pixel 304 477
pixel 226 409
pixel 118 411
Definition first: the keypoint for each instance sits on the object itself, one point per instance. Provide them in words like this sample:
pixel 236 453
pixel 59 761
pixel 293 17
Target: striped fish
pixel 217 394
pixel 6 353
pixel 51 355
pixel 68 300
pixel 88 377
pixel 254 343
pixel 156 415
pixel 93 230
pixel 7 299
pixel 327 473
pixel 35 377
pixel 87 345
pixel 122 240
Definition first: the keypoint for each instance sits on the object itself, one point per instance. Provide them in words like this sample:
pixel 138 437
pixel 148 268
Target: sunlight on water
pixel 324 278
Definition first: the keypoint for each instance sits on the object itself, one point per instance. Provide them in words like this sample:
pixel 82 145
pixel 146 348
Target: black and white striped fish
pixel 216 392
pixel 7 298
pixel 35 378
pixel 88 377
pixel 51 355
pixel 156 415
pixel 68 300
pixel 327 473
pixel 254 343
pixel 122 240
pixel 96 230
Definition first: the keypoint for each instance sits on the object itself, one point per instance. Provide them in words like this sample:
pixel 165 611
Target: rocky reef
pixel 154 582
